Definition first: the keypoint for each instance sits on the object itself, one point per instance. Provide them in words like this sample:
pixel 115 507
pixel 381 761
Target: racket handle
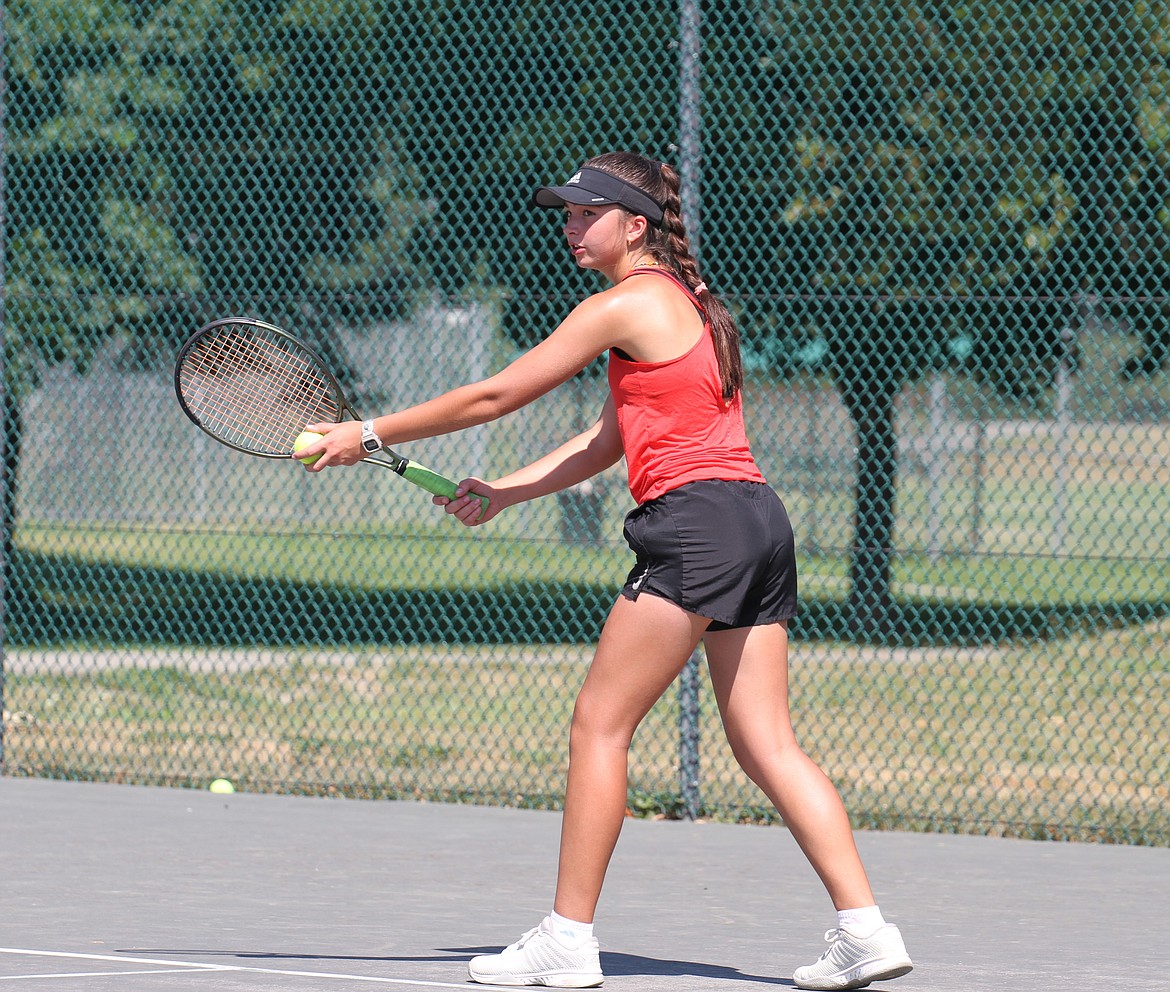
pixel 432 482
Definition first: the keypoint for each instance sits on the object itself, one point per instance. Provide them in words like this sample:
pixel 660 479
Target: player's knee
pixel 765 760
pixel 594 727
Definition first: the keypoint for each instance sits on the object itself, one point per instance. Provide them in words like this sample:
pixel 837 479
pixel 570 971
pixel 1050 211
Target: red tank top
pixel 675 425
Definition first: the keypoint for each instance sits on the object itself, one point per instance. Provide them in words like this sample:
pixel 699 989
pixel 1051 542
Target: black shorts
pixel 722 550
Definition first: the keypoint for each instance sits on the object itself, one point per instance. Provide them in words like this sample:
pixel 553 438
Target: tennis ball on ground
pixel 303 440
pixel 221 786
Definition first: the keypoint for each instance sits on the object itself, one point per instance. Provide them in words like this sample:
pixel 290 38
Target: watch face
pixel 370 441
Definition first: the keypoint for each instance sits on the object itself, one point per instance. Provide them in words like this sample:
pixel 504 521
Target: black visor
pixel 594 186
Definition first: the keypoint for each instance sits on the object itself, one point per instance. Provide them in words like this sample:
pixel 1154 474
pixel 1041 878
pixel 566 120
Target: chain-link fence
pixel 944 230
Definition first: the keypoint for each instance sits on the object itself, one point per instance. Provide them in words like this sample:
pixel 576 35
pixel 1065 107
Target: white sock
pixel 863 922
pixel 569 932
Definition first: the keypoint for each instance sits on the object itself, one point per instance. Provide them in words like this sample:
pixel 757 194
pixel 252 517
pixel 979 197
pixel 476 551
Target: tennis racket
pixel 254 387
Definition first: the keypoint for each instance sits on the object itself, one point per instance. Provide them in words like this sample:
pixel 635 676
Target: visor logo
pixel 576 179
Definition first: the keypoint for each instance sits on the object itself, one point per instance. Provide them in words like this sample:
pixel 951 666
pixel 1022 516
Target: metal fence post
pixel 7 511
pixel 1062 416
pixel 688 736
pixel 690 172
pixel 690 119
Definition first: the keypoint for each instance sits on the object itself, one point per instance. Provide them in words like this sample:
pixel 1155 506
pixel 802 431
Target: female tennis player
pixel 714 561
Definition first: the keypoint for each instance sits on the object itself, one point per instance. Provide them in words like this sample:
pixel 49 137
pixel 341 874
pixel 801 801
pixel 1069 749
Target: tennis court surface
pixel 111 887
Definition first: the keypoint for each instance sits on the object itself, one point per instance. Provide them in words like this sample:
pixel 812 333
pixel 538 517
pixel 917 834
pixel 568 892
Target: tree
pixel 896 184
pixel 168 161
pixel 928 214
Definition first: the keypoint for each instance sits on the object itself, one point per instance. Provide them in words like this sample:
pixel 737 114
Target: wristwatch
pixel 371 443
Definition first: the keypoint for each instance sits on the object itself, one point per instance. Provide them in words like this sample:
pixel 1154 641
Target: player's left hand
pixel 465 507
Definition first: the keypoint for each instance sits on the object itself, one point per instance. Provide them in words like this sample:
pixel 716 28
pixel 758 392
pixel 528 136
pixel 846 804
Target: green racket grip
pixel 432 482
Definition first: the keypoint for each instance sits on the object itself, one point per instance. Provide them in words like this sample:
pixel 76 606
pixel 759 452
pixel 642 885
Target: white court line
pixel 99 974
pixel 197 966
pixel 123 958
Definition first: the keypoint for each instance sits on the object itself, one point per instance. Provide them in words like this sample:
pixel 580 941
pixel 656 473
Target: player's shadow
pixel 614 964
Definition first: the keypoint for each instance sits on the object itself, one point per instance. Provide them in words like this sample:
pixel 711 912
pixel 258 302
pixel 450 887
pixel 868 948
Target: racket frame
pixel 412 471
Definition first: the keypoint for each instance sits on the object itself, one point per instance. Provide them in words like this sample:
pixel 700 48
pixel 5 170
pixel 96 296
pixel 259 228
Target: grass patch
pixel 1044 739
pixel 379 586
pixel 376 559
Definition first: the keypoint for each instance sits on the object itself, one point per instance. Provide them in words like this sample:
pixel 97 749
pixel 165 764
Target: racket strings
pixel 254 390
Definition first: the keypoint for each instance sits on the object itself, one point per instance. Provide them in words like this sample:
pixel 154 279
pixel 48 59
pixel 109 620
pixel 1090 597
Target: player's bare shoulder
pixel 651 319
pixel 638 300
pixel 610 314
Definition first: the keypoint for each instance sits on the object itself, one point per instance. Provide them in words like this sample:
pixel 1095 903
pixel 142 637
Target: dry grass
pixel 1062 739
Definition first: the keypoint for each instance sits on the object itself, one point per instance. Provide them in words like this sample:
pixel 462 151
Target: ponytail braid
pixel 669 245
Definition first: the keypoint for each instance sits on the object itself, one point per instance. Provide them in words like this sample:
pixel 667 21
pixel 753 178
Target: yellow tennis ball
pixel 221 786
pixel 303 440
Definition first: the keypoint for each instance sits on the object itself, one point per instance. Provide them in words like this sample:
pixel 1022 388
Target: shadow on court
pixel 612 964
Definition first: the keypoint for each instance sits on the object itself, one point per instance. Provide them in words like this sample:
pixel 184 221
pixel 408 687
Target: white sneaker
pixel 538 958
pixel 852 962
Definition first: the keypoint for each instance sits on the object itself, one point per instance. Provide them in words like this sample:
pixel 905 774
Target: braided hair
pixel 667 243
